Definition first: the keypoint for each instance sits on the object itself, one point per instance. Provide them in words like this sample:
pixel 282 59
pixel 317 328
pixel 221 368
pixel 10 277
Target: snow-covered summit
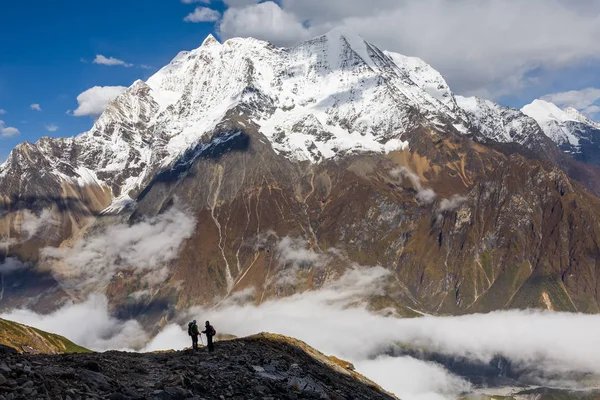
pixel 563 126
pixel 332 95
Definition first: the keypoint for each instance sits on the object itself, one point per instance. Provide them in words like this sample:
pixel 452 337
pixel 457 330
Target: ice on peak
pixel 210 41
pixel 343 32
pixel 337 38
pixel 542 110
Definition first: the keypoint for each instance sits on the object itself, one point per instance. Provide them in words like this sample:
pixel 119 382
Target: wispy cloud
pixel 35 107
pixel 7 131
pixel 110 61
pixel 203 14
pixel 2 111
pixel 145 66
pixel 144 247
pixel 195 1
pixel 424 195
pixel 451 204
pixel 51 127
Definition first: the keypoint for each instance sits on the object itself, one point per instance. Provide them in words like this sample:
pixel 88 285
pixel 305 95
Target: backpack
pixel 190 326
pixel 213 332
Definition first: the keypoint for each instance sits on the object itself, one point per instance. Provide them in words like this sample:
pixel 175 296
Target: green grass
pixel 16 335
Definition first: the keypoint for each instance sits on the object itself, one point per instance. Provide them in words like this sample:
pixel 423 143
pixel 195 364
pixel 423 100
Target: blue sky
pixel 511 52
pixel 42 50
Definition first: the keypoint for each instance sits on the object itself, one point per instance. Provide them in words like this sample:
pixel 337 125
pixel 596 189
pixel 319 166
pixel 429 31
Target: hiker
pixel 209 332
pixel 194 333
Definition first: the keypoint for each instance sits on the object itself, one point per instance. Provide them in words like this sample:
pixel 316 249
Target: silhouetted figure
pixel 194 333
pixel 209 332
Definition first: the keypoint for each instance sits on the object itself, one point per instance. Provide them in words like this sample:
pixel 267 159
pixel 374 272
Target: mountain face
pixel 573 132
pixel 293 165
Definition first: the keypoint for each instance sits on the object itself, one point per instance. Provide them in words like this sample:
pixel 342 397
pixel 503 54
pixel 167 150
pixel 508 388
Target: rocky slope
pixel 25 339
pixel 292 165
pixel 259 367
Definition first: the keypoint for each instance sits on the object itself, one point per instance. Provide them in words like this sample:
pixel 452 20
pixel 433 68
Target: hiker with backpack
pixel 209 332
pixel 194 333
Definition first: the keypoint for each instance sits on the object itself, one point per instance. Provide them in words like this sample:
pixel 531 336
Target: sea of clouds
pixel 551 341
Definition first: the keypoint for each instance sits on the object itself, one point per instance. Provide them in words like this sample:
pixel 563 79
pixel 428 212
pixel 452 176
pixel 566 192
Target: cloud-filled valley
pixel 548 345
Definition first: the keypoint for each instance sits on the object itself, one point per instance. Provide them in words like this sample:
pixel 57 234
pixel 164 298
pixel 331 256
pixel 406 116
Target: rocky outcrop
pixel 259 367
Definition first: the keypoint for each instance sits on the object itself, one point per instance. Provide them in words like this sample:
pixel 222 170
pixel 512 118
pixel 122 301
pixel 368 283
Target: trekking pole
pixel 201 341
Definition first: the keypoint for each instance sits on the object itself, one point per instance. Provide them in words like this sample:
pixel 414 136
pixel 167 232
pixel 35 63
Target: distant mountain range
pixel 295 164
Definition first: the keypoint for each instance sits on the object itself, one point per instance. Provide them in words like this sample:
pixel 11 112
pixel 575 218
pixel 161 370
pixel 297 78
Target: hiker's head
pixel 207 323
pixel 194 322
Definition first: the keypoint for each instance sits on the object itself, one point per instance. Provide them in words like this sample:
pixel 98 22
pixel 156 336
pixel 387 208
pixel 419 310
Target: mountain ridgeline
pixel 353 155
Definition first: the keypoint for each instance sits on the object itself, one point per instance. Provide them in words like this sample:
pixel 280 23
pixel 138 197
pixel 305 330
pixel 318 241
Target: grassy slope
pixel 31 340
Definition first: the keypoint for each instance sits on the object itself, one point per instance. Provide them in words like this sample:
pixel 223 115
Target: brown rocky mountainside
pixel 504 231
pixel 259 367
pixel 462 224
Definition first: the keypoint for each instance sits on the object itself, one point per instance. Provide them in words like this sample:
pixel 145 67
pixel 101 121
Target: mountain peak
pixel 343 32
pixel 544 110
pixel 210 41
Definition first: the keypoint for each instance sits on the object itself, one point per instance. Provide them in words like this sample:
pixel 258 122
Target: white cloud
pixel 546 344
pixel 88 324
pixel 94 101
pixel 203 14
pixel 145 66
pixel 32 224
pixel 7 131
pixel 110 61
pixel 451 204
pixel 35 107
pixel 582 100
pixel 195 1
pixel 591 111
pixel 2 112
pixel 413 379
pixel 488 47
pixel 263 21
pixel 51 127
pixel 144 247
pixel 424 195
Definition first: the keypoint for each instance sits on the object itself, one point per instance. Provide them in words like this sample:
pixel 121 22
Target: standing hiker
pixel 209 332
pixel 194 333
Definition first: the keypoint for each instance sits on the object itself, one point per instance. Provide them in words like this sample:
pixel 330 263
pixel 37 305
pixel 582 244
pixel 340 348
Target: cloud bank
pixel 333 321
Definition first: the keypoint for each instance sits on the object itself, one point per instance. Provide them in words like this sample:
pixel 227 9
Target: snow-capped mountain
pixel 501 124
pixel 332 143
pixel 333 95
pixel 573 132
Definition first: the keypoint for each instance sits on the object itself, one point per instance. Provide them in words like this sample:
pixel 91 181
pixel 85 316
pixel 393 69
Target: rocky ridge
pixel 264 366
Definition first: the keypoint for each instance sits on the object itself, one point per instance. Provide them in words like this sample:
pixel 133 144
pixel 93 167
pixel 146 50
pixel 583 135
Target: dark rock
pixel 7 350
pixel 92 366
